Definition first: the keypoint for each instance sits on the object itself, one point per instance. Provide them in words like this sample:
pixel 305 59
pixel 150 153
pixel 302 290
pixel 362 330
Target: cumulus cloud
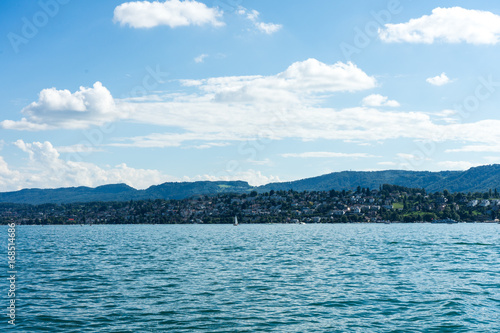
pixel 46 168
pixel 9 179
pixel 448 25
pixel 302 78
pixel 300 83
pixel 172 13
pixel 327 154
pixel 222 110
pixel 222 114
pixel 376 100
pixel 253 16
pixel 63 109
pixel 439 80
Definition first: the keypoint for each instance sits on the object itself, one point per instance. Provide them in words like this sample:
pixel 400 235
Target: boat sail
pixel 235 221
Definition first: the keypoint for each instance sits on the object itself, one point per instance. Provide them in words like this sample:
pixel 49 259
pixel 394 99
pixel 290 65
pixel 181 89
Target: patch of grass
pixel 398 205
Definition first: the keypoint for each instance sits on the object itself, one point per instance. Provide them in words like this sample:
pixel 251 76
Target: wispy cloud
pixel 79 148
pixel 388 163
pixel 201 58
pixel 448 25
pixel 457 165
pixel 253 16
pixel 489 148
pixel 327 154
pixel 210 145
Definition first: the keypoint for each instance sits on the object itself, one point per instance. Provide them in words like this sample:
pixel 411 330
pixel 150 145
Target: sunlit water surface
pixel 256 278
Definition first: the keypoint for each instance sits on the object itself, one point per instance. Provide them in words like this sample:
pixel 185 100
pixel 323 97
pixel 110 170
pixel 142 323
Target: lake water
pixel 256 278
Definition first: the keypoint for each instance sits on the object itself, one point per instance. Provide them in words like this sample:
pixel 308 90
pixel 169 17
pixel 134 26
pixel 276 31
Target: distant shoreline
pixel 243 224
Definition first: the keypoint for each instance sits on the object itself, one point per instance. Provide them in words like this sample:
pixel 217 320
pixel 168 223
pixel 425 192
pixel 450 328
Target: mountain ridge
pixel 476 179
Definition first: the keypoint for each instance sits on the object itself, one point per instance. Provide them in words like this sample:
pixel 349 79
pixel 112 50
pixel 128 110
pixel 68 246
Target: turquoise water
pixel 256 278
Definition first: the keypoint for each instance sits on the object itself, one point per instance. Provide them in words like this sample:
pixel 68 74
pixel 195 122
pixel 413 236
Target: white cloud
pixel 412 157
pixel 209 121
pixel 63 109
pixel 302 78
pixel 79 148
pixel 265 161
pixel 204 119
pixel 327 154
pixel 211 145
pixel 46 169
pixel 439 80
pixel 253 16
pixel 492 159
pixel 9 179
pixel 253 177
pixel 245 108
pixel 173 13
pixel 268 28
pixel 457 165
pixel 300 83
pixel 387 163
pixel 376 100
pixel 449 25
pixel 201 58
pixel 490 148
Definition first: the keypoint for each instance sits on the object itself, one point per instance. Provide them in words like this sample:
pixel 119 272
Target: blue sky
pixel 98 92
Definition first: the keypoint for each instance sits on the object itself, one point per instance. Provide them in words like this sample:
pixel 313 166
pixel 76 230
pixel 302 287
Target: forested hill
pixel 478 179
pixel 123 192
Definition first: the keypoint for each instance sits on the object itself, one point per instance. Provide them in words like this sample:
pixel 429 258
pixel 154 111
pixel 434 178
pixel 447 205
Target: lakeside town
pixel 389 203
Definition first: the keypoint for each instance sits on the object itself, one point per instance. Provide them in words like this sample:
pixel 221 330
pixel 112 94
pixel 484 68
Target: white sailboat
pixel 235 221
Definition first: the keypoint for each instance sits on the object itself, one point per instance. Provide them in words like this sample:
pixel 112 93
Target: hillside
pixel 121 192
pixel 475 179
pixel 478 179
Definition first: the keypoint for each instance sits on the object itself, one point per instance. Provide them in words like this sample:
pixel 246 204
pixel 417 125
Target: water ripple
pixel 265 278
